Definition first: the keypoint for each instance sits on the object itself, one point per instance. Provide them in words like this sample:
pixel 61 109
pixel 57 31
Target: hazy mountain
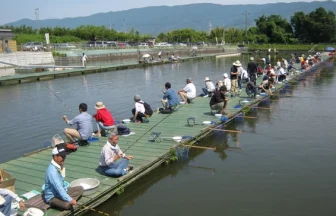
pixel 157 19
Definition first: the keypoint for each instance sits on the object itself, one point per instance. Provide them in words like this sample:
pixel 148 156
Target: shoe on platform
pixel 129 168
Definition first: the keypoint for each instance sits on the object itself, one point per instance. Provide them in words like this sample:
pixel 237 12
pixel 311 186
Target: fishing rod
pixel 59 98
pixel 92 209
pixel 151 129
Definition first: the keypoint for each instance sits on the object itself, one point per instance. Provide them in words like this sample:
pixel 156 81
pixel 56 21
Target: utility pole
pixel 37 17
pixel 124 26
pixel 210 27
pixel 223 39
pixel 245 14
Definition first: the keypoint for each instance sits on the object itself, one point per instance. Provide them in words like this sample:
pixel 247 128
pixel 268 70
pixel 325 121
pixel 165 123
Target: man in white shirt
pixel 209 87
pixel 278 64
pixel 139 110
pixel 84 57
pixel 227 82
pixel 282 74
pixel 6 197
pixel 188 92
pixel 113 162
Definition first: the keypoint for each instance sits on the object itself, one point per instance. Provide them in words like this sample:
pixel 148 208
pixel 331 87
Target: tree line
pixel 319 26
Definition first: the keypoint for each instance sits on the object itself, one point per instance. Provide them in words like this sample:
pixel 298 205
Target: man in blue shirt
pixel 84 125
pixel 55 193
pixel 169 98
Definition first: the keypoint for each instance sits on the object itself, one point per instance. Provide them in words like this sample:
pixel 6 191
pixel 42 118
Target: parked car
pixel 163 44
pixel 64 46
pixel 144 45
pixel 33 46
pixel 98 43
pixel 111 43
pixel 121 45
pixel 201 44
pixel 180 44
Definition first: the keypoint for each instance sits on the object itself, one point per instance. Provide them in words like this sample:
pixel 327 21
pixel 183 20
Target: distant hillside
pixel 154 20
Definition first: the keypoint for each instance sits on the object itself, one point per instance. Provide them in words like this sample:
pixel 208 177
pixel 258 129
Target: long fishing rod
pixel 92 209
pixel 59 99
pixel 150 129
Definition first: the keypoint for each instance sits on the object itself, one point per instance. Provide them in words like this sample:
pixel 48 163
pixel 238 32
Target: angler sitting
pixel 188 93
pixel 113 162
pixel 218 100
pixel 282 74
pixel 209 88
pixel 266 86
pixel 170 99
pixel 6 197
pixel 84 125
pixel 141 110
pixel 104 119
pixel 55 194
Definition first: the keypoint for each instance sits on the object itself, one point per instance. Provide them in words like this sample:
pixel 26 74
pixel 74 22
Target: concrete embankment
pixel 25 58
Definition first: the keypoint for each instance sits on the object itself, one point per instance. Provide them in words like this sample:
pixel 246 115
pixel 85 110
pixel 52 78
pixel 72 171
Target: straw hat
pixel 225 75
pixel 99 105
pixel 237 63
pixel 206 79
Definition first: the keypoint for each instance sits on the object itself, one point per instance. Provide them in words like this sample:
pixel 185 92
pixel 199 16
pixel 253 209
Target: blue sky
pixel 13 10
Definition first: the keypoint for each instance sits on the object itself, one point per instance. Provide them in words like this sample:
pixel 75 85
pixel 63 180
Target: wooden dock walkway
pixel 30 170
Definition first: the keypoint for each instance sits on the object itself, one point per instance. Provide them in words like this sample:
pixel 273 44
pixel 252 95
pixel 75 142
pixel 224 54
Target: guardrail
pixel 85 46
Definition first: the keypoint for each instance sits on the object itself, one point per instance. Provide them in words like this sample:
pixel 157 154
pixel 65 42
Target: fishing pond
pixel 281 164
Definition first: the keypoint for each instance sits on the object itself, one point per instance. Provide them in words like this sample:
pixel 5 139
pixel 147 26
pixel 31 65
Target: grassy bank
pixel 282 47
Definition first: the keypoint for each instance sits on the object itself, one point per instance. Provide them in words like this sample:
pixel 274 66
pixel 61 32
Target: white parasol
pixel 145 56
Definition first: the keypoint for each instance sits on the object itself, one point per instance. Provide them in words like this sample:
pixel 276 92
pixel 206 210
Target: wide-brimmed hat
pixel 237 63
pixel 206 79
pixel 99 105
pixel 225 75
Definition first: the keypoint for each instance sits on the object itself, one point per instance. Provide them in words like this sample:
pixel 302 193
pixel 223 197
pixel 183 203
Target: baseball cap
pixel 59 150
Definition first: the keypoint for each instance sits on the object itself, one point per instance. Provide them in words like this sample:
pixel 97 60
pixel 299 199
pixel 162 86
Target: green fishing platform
pixel 30 169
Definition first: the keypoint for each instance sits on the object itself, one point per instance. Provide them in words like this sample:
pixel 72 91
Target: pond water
pixel 281 165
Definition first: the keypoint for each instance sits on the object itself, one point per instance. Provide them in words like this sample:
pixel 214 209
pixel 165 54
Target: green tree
pixel 317 26
pixel 276 28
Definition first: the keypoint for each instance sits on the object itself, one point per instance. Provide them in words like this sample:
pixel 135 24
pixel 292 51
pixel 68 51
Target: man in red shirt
pixel 104 119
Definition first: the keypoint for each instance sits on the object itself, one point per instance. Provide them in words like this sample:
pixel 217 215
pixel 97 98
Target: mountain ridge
pixel 156 19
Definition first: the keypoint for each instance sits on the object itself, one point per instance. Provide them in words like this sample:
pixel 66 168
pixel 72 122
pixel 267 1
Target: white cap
pixel 225 75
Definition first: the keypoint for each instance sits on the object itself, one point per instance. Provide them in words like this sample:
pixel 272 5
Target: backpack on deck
pixel 148 109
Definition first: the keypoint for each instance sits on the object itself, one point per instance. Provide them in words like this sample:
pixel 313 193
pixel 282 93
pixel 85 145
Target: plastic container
pixel 207 122
pixel 33 212
pixel 177 138
pixel 126 121
pixel 182 102
pixel 57 139
pixel 90 185
pixel 218 115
